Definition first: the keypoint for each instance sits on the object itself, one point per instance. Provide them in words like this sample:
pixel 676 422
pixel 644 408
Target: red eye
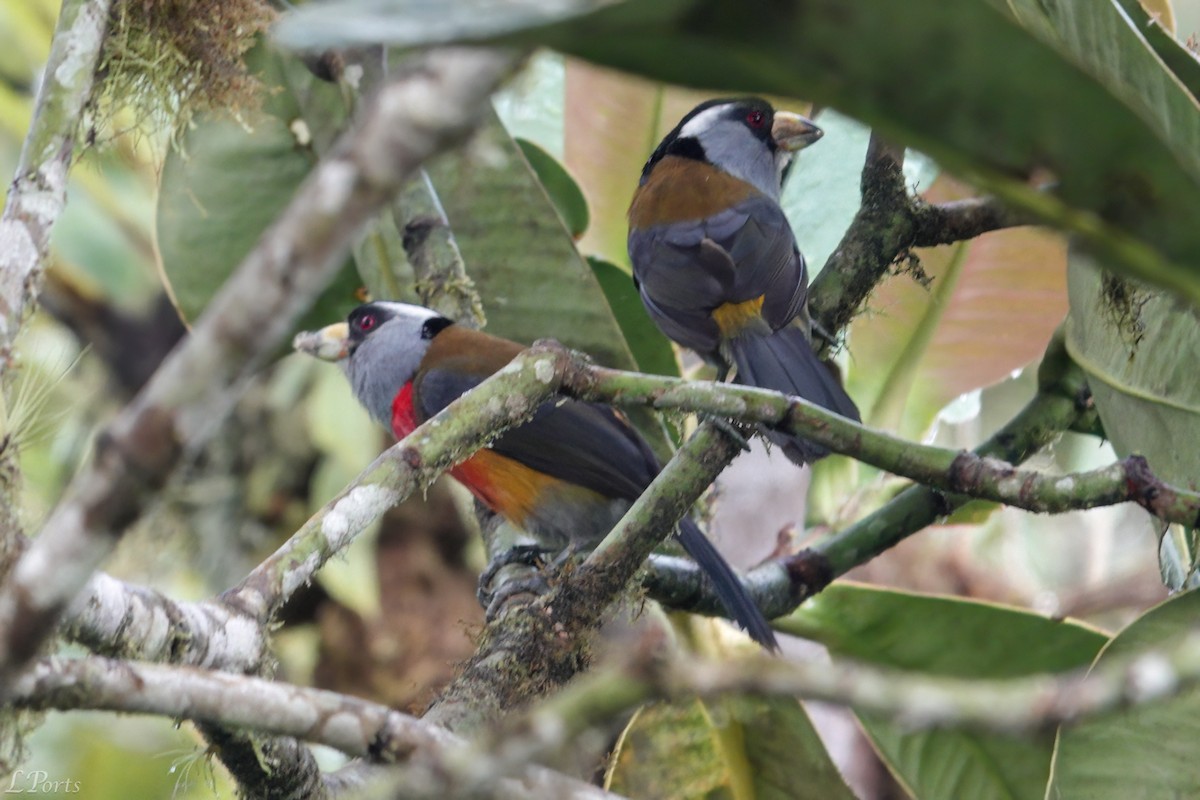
pixel 756 119
pixel 367 322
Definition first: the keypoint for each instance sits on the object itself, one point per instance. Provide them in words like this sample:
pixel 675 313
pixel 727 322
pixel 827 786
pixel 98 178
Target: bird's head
pixel 380 347
pixel 745 137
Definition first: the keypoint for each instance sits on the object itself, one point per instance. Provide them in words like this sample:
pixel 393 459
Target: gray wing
pixel 684 270
pixel 582 443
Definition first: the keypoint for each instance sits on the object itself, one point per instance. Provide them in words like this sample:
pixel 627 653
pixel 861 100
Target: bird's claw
pixel 534 585
pixel 525 555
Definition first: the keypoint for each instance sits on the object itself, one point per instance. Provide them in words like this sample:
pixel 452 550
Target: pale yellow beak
pixel 331 343
pixel 793 132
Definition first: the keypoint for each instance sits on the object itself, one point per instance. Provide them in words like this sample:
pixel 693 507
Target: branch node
pixel 808 573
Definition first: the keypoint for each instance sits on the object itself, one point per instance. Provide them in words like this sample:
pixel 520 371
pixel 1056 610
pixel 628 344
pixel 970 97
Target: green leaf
pixel 405 23
pixel 991 640
pixel 652 351
pixel 1178 59
pixel 996 103
pixel 228 181
pixel 738 747
pixel 1145 752
pixel 1128 338
pixel 533 282
pixel 1100 36
pixel 562 189
pixel 952 637
pixel 1131 341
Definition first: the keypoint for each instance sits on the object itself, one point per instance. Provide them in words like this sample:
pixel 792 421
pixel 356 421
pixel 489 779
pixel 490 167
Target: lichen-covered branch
pixel 407 121
pixel 914 700
pixel 442 280
pixel 889 224
pixel 354 726
pixel 1062 401
pixel 38 193
pixel 440 764
pixel 958 472
pixel 128 621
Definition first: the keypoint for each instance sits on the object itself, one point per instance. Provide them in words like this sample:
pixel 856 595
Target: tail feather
pixel 733 595
pixel 785 362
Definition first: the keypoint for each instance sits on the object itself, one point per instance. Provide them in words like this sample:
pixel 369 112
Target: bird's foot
pixel 532 556
pixel 534 582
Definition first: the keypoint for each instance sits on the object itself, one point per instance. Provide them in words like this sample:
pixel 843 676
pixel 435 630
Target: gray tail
pixel 785 362
pixel 739 605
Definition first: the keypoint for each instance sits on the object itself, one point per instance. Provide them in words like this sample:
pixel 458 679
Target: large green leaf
pixel 995 103
pixel 952 637
pixel 1145 752
pixel 229 180
pixel 533 282
pixel 1100 36
pixel 1158 28
pixel 1138 347
pixel 741 748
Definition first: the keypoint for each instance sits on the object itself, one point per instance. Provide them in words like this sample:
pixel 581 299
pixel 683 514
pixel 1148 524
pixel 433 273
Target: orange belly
pixel 508 487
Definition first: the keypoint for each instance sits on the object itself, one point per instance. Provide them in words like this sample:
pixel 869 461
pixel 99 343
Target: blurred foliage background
pixel 157 217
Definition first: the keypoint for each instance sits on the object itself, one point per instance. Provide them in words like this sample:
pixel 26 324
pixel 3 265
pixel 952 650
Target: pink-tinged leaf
pixel 992 305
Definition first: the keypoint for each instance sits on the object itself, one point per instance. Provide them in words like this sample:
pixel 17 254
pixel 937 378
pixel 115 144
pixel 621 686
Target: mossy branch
pixel 888 225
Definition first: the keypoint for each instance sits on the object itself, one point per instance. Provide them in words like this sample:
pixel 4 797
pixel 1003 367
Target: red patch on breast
pixel 404 416
pixel 504 485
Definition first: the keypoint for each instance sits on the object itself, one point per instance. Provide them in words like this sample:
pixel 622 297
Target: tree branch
pixel 915 701
pixel 39 192
pixel 406 122
pixel 127 621
pixel 441 763
pixel 890 223
pixel 957 472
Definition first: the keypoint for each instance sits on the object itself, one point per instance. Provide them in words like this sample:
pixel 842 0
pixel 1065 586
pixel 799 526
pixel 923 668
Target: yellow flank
pixel 731 318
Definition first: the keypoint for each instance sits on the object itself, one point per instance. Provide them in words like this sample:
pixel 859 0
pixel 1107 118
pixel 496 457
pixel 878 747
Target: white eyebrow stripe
pixel 702 121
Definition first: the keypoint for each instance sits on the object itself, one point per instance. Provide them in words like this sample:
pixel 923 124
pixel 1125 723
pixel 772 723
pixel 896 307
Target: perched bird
pixel 715 260
pixel 566 476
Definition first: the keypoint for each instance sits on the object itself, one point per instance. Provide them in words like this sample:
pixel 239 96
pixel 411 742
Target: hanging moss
pixel 166 60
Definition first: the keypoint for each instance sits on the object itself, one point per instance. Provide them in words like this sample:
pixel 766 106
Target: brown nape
pixel 709 191
pixel 468 352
